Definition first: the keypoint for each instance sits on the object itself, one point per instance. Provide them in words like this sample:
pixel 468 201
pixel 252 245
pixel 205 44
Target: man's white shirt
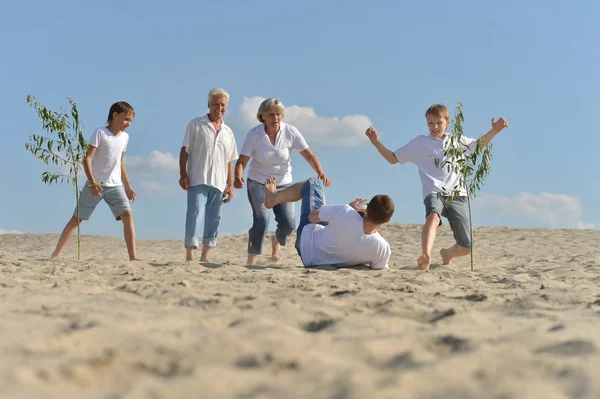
pixel 209 152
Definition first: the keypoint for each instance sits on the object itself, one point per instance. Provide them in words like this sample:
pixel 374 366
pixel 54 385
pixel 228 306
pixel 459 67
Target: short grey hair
pixel 267 106
pixel 218 92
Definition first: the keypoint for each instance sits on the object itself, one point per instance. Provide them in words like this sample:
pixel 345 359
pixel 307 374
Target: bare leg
pixel 129 234
pixel 251 259
pixel 427 240
pixel 292 193
pixel 450 253
pixel 65 236
pixel 276 253
pixel 189 252
pixel 204 255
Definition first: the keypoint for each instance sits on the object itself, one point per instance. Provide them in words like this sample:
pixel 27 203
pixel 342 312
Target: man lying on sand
pixel 336 234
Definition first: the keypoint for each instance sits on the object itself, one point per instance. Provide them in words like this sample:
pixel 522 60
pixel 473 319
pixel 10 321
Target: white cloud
pixel 584 225
pixel 3 231
pixel 156 160
pixel 155 187
pixel 553 210
pixel 348 130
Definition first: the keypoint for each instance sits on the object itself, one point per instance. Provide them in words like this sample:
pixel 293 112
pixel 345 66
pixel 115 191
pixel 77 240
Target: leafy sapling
pixel 62 145
pixel 471 161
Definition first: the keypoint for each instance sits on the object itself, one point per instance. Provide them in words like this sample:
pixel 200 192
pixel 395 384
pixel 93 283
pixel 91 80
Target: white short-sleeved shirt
pixel 106 162
pixel 209 152
pixel 268 160
pixel 421 151
pixel 343 241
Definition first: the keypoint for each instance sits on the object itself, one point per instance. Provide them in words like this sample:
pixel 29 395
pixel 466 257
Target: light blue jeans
pixel 284 216
pixel 313 197
pixel 203 205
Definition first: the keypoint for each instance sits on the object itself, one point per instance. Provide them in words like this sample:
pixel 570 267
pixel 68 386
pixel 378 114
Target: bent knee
pixel 74 221
pixel 126 216
pixel 433 217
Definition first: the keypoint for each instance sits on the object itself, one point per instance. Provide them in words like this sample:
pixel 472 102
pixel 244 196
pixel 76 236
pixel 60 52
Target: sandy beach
pixel 524 324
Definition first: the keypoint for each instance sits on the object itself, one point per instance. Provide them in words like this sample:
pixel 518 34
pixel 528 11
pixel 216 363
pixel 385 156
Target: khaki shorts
pixel 456 213
pixel 115 197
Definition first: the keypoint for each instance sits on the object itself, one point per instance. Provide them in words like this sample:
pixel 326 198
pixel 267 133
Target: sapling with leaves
pixel 62 145
pixel 468 159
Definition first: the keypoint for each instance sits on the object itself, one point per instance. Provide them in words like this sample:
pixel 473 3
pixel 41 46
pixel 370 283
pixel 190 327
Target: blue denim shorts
pixel 115 197
pixel 313 197
pixel 456 213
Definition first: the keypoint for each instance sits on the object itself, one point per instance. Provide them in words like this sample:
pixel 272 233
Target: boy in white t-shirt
pixel 106 173
pixel 339 235
pixel 421 151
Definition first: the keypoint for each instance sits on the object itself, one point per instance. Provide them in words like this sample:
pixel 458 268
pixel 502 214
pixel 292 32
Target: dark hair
pixel 380 209
pixel 118 107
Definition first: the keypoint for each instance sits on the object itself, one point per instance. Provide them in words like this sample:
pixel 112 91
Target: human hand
pixel 96 189
pixel 228 194
pixel 238 182
pixel 359 204
pixel 131 194
pixel 184 182
pixel 371 133
pixel 499 124
pixel 326 181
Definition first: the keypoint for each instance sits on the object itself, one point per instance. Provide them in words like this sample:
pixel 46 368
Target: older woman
pixel 270 146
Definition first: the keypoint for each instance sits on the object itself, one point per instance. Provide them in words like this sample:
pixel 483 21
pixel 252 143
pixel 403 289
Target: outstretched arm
pixel 314 163
pixel 497 127
pixel 240 165
pixel 389 156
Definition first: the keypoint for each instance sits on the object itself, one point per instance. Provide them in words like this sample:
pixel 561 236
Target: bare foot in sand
pixel 251 259
pixel 276 254
pixel 189 253
pixel 424 261
pixel 446 257
pixel 270 192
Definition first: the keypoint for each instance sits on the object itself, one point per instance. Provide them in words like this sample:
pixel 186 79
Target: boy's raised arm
pixel 389 156
pixel 497 127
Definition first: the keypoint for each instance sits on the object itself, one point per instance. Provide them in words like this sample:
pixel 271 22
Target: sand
pixel 524 324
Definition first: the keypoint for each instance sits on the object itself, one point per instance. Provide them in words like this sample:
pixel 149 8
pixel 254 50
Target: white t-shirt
pixel 342 242
pixel 421 150
pixel 209 152
pixel 106 162
pixel 268 160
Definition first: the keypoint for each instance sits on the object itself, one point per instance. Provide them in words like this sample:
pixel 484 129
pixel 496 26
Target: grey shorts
pixel 115 197
pixel 455 212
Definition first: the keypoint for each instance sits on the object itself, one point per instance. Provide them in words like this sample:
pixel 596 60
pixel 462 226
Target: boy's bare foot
pixel 424 261
pixel 276 253
pixel 189 253
pixel 204 259
pixel 251 259
pixel 134 259
pixel 446 257
pixel 270 192
pixel 54 256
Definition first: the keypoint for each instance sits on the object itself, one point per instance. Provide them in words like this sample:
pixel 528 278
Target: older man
pixel 206 172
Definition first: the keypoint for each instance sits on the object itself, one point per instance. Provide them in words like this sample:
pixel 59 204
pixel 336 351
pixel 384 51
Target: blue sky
pixel 338 66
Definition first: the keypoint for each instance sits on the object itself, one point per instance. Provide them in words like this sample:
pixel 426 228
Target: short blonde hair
pixel 438 111
pixel 218 92
pixel 268 105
